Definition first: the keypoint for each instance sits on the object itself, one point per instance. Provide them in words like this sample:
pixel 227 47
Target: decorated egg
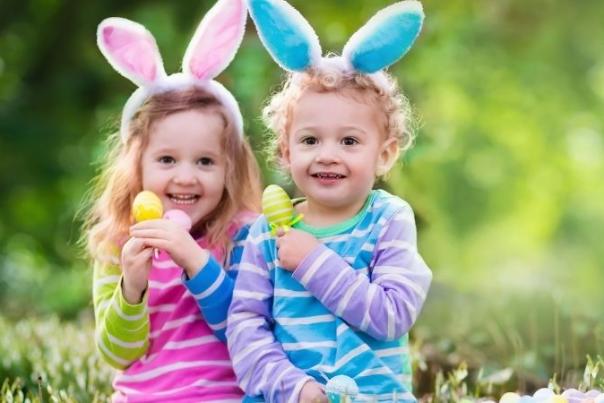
pixel 510 397
pixel 277 206
pixel 543 394
pixel 179 217
pixel 341 388
pixel 146 206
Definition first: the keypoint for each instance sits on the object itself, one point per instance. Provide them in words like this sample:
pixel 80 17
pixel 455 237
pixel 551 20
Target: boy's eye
pixel 205 161
pixel 166 159
pixel 349 141
pixel 309 140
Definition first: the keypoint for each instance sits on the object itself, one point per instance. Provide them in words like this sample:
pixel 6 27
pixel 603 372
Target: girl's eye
pixel 309 140
pixel 166 159
pixel 205 161
pixel 349 141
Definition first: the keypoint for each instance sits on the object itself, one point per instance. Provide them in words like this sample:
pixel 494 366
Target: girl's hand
pixel 135 261
pixel 173 238
pixel 312 392
pixel 293 246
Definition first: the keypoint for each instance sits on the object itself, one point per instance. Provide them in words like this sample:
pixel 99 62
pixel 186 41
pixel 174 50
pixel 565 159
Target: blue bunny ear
pixel 286 34
pixel 385 38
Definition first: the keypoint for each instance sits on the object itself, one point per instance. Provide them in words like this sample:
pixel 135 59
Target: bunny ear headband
pixel 294 45
pixel 133 52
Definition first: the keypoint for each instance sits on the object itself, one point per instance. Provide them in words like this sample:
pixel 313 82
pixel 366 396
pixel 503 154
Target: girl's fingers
pixel 148 233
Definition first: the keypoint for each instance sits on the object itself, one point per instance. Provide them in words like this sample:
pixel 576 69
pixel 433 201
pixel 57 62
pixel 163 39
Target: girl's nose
pixel 184 174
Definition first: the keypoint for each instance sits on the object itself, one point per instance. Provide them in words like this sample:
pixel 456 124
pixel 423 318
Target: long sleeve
pixel 213 286
pixel 386 304
pixel 122 329
pixel 261 366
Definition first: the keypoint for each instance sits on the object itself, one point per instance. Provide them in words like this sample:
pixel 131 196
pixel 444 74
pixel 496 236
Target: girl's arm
pixel 386 304
pixel 261 366
pixel 213 286
pixel 122 329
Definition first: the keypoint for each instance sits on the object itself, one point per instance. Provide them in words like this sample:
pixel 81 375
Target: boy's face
pixel 336 146
pixel 184 162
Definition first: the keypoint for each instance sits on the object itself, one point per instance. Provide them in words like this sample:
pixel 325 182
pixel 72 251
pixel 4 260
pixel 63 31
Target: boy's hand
pixel 135 262
pixel 293 246
pixel 173 238
pixel 312 392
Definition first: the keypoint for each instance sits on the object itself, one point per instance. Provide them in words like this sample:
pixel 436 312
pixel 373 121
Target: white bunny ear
pixel 385 38
pixel 131 50
pixel 216 40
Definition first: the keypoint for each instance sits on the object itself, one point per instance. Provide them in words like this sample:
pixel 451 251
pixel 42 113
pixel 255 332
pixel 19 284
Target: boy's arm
pixel 261 366
pixel 386 304
pixel 122 329
pixel 213 286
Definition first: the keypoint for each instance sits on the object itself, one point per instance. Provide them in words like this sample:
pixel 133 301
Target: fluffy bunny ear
pixel 286 34
pixel 385 38
pixel 216 40
pixel 131 50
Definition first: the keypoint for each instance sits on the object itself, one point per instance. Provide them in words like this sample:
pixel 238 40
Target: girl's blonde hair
pixel 109 217
pixel 379 89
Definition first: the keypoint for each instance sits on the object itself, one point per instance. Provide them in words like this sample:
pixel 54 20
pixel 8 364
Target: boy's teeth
pixel 329 176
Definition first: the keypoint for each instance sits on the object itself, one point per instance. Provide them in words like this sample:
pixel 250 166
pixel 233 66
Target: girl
pixel 161 319
pixel 338 294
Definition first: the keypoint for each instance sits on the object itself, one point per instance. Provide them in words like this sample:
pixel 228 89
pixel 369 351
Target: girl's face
pixel 184 162
pixel 335 147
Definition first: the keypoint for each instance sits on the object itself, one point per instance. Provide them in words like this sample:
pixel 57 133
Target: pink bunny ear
pixel 216 40
pixel 131 50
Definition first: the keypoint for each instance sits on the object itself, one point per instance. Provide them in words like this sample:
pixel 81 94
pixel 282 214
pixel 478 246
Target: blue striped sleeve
pixel 213 286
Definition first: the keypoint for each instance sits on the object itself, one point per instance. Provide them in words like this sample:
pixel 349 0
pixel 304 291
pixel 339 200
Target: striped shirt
pixel 171 346
pixel 345 310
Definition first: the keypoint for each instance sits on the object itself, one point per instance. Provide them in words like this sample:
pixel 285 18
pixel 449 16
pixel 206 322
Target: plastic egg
pixel 179 217
pixel 277 206
pixel 558 399
pixel 510 397
pixel 593 393
pixel 573 395
pixel 342 384
pixel 543 394
pixel 146 206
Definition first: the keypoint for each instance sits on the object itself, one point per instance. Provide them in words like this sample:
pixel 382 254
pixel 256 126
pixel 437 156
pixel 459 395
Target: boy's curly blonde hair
pixel 379 89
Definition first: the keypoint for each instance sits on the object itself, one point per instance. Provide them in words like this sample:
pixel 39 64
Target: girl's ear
pixel 385 38
pixel 388 156
pixel 216 40
pixel 131 50
pixel 286 34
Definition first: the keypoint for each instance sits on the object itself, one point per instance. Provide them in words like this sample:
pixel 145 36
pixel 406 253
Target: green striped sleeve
pixel 122 329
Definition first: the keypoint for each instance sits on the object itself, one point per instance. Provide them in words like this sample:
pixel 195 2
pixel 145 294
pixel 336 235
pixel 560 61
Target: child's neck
pixel 318 215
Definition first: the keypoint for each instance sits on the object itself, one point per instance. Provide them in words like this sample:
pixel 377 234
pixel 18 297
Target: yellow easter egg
pixel 510 397
pixel 558 399
pixel 277 206
pixel 147 206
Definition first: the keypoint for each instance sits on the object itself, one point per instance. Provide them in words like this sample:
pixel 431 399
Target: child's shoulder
pixel 241 223
pixel 387 204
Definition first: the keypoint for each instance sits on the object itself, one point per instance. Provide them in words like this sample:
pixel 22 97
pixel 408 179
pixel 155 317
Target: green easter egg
pixel 277 206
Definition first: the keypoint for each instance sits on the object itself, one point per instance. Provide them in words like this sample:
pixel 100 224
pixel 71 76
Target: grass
pixel 477 356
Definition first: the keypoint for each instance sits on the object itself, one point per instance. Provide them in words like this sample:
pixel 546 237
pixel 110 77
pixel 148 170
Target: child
pixel 337 294
pixel 162 319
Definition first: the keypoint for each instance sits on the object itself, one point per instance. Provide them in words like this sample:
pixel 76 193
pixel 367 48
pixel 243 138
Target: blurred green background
pixel 506 176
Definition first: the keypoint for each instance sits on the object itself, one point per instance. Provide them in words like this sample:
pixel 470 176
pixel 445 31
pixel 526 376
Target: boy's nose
pixel 327 154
